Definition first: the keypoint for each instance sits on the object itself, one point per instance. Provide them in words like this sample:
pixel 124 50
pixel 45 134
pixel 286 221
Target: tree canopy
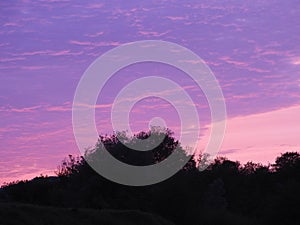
pixel 227 192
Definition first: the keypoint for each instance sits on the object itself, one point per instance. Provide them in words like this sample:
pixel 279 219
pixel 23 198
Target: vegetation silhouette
pixel 227 192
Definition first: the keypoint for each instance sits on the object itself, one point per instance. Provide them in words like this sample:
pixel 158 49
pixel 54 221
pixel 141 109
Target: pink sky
pixel 262 137
pixel 257 137
pixel 45 47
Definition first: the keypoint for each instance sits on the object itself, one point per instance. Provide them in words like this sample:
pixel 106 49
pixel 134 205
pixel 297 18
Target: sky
pixel 252 47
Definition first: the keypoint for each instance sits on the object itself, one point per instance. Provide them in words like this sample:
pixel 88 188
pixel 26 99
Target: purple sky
pixel 252 47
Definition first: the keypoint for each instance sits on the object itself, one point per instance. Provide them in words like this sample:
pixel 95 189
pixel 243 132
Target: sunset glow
pixel 46 46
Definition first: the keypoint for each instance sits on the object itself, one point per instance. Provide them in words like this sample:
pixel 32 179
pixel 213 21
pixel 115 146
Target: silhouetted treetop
pixel 159 141
pixel 287 161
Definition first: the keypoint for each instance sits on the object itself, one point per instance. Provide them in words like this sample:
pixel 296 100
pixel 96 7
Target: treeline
pixel 227 192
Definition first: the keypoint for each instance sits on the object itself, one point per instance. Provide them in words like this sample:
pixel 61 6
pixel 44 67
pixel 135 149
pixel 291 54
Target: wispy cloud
pixel 33 67
pixel 11 24
pixel 96 106
pixel 95 6
pixel 296 61
pixel 20 110
pixel 153 33
pixel 3 60
pixel 228 60
pixel 97 34
pixel 176 18
pixel 48 52
pixel 95 44
pixel 45 107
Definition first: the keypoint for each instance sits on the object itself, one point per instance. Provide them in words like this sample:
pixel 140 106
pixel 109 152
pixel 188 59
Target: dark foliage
pixel 225 193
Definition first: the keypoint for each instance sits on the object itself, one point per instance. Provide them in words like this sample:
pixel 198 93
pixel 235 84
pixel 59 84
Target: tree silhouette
pixel 287 162
pixel 126 149
pixel 225 193
pixel 69 166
